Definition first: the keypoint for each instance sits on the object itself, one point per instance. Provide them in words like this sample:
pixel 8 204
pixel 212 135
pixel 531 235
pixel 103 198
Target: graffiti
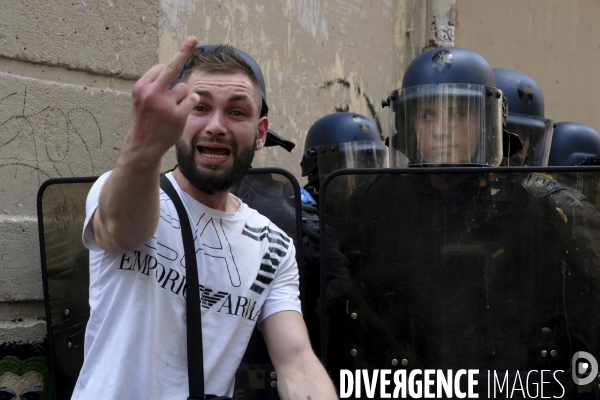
pixel 342 106
pixel 51 141
pixel 446 34
pixel 42 139
pixel 441 35
pixel 312 15
pixel 24 372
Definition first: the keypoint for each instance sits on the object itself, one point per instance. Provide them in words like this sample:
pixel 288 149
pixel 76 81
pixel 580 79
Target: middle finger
pixel 173 68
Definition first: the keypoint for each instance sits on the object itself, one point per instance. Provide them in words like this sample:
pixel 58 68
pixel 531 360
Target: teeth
pixel 213 155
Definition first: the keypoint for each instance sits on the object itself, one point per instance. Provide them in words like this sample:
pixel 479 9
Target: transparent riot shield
pixel 274 193
pixel 65 271
pixel 492 271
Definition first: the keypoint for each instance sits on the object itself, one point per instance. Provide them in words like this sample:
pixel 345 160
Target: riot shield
pixel 65 275
pixel 487 273
pixel 274 193
pixel 65 271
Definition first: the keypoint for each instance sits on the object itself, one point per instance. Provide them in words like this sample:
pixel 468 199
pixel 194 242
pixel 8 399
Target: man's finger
pixel 151 74
pixel 179 92
pixel 173 68
pixel 188 104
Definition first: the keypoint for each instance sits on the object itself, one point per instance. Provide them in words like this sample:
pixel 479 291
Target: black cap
pixel 273 139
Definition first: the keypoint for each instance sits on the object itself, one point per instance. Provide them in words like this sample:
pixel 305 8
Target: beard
pixel 211 181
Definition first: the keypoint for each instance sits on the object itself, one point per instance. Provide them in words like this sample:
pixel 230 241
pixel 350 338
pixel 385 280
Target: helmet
pixel 574 144
pixel 273 139
pixel 448 65
pixel 341 140
pixel 447 112
pixel 525 117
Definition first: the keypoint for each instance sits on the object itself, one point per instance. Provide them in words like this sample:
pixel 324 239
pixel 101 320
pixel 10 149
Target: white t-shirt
pixel 135 340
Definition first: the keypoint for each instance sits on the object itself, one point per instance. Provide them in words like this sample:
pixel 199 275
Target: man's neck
pixel 220 201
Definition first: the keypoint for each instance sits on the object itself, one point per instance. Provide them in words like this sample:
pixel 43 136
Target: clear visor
pixel 363 154
pixel 536 135
pixel 447 124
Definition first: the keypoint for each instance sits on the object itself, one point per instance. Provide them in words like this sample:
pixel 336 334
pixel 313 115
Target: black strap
pixel 194 316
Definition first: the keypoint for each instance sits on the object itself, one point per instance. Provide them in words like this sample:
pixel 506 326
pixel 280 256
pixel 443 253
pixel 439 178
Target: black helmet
pixel 341 140
pixel 525 117
pixel 273 139
pixel 448 112
pixel 574 144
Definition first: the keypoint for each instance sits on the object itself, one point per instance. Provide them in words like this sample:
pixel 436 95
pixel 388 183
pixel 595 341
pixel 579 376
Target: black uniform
pixel 465 271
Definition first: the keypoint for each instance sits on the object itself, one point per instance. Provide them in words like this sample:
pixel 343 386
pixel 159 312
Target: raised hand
pixel 160 114
pixel 128 209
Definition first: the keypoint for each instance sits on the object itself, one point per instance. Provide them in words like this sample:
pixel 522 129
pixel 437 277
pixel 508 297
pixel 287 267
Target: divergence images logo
pixel 581 368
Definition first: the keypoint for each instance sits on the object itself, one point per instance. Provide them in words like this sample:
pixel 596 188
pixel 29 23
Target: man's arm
pixel 300 374
pixel 129 209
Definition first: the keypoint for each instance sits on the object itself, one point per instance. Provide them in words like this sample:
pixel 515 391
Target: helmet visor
pixel 536 135
pixel 360 154
pixel 446 124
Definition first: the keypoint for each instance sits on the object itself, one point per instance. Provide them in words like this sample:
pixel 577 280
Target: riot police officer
pixel 338 141
pixel 335 141
pixel 466 269
pixel 574 144
pixel 449 112
pixel 525 117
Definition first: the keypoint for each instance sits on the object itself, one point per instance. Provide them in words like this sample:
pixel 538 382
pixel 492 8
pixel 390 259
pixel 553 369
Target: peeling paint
pixel 169 43
pixel 259 10
pixel 399 41
pixel 244 12
pixel 311 14
pixel 350 16
pixel 170 21
pixel 301 45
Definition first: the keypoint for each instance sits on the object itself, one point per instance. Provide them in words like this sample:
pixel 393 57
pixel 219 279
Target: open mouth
pixel 215 153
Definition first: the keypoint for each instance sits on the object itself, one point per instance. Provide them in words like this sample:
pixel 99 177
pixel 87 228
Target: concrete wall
pixel 553 41
pixel 67 68
pixel 317 56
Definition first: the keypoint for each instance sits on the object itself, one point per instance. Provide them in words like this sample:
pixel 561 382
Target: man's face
pixel 222 132
pixel 447 132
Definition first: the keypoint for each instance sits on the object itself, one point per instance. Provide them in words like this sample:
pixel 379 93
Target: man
pixel 336 141
pixel 525 117
pixel 448 112
pixel 574 144
pixel 135 338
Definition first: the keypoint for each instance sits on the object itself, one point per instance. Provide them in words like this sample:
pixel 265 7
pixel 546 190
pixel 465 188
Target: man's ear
pixel 261 134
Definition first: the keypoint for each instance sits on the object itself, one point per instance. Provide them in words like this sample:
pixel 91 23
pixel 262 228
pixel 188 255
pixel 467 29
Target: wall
pixel 317 56
pixel 554 42
pixel 66 71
